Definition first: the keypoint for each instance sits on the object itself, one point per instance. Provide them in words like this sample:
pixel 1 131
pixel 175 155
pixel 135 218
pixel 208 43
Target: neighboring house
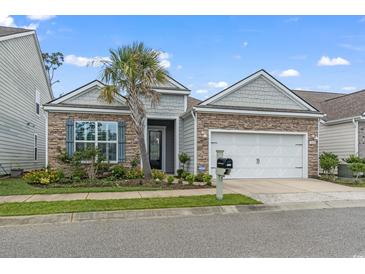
pixel 342 129
pixel 24 87
pixel 266 129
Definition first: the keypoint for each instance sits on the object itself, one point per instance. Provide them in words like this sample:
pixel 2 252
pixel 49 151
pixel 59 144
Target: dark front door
pixel 155 148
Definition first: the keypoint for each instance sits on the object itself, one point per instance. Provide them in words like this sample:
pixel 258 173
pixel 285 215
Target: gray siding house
pixel 266 129
pixel 342 129
pixel 24 87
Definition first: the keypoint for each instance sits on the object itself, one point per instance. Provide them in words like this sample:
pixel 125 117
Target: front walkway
pixel 275 191
pixel 105 195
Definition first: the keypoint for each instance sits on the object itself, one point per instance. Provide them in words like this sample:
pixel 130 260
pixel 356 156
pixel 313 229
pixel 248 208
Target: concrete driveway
pixel 273 191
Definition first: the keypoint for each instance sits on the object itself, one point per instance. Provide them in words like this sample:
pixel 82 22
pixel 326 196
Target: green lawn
pixel 34 208
pixel 18 187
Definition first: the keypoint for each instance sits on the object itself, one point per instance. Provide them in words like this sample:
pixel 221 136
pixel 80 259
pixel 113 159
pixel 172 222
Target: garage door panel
pixel 260 155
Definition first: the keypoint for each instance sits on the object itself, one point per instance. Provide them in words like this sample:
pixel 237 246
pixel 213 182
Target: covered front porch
pixel 162 143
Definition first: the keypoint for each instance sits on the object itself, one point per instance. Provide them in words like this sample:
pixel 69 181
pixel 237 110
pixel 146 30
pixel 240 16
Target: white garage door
pixel 260 155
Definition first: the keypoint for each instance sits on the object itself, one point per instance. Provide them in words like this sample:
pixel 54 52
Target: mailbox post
pixel 219 185
pixel 224 166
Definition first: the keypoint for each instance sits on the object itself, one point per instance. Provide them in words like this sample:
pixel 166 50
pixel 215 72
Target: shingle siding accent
pixel 259 93
pixel 57 132
pixel 169 106
pixel 206 121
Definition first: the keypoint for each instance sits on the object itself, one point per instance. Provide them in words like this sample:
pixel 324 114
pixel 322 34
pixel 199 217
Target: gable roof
pixel 9 31
pixel 76 91
pixel 348 105
pixel 274 82
pixel 315 98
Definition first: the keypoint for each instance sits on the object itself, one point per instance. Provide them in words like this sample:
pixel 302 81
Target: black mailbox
pixel 224 163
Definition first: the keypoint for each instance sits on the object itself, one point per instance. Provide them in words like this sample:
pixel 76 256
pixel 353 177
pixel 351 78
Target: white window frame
pixel 96 141
pixel 35 147
pixel 37 102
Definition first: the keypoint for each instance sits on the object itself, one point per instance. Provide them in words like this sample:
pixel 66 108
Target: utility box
pixel 224 167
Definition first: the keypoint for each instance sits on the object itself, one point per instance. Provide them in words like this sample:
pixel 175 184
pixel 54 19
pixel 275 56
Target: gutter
pixel 195 141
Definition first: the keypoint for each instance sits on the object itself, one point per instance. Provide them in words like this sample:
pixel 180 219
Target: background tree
pixel 52 61
pixel 132 71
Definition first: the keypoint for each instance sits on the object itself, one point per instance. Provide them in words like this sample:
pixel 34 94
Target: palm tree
pixel 132 71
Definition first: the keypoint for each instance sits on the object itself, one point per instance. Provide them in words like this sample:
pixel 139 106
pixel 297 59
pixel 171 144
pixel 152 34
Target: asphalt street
pixel 300 233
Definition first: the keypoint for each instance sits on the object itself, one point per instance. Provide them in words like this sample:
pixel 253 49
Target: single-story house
pixel 342 129
pixel 267 129
pixel 24 88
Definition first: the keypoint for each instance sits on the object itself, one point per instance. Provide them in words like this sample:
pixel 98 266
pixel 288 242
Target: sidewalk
pixel 106 195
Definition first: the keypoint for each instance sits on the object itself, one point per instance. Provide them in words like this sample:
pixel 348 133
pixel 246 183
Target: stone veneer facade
pixel 206 121
pixel 57 132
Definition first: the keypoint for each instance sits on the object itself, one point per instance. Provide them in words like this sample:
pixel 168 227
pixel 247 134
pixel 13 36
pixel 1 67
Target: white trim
pixel 356 124
pixel 96 141
pixel 342 120
pixel 273 81
pixel 258 112
pixel 185 103
pixel 172 92
pixel 318 138
pixel 157 117
pixel 78 91
pixel 46 115
pixel 195 141
pixel 86 110
pixel 305 143
pixel 16 35
pixel 177 143
pixel 163 156
pixel 175 83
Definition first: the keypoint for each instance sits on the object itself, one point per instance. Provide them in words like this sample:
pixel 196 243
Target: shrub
pixel 199 177
pixel 207 179
pixel 357 169
pixel 158 174
pixel 354 159
pixel 103 167
pixel 92 156
pixel 328 162
pixel 179 173
pixel 119 172
pixel 43 177
pixel 170 179
pixel 183 158
pixel 134 173
pixel 185 174
pixel 134 162
pixel 190 178
pixel 78 172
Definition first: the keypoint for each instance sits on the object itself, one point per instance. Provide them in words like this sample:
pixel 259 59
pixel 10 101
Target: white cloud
pixel 237 56
pixel 349 88
pixel 220 84
pixel 362 20
pixel 179 66
pixel 8 21
pixel 201 91
pixel 337 61
pixel 244 44
pixel 289 73
pixel 40 17
pixel 164 59
pixel 81 61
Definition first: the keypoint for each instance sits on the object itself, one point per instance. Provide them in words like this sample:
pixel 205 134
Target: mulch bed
pixel 127 183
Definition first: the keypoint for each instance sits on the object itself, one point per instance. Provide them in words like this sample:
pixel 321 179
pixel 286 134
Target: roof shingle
pixel 6 31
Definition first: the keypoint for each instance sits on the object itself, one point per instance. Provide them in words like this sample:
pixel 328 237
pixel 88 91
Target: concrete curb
pixel 172 212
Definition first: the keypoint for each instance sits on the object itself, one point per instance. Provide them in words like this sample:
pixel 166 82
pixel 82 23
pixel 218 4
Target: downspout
pixel 46 114
pixel 195 141
pixel 356 124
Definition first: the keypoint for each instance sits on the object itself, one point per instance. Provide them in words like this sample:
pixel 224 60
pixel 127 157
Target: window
pixel 102 135
pixel 37 101
pixel 35 147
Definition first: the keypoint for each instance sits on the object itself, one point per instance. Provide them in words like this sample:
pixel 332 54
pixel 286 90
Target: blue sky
pixel 207 53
